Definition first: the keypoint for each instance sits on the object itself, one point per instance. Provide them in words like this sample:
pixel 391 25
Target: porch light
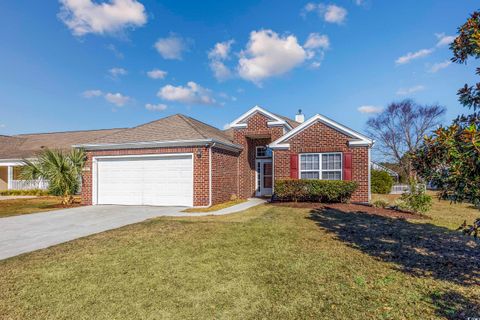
pixel 199 153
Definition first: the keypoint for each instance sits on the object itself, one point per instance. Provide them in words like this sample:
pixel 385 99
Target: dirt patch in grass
pixel 352 208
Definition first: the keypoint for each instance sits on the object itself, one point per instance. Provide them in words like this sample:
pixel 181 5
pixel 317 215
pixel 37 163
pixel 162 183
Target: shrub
pixel 416 199
pixel 380 203
pixel 314 190
pixel 32 192
pixel 399 204
pixel 381 182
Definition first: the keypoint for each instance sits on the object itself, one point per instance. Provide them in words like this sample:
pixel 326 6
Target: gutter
pixel 159 144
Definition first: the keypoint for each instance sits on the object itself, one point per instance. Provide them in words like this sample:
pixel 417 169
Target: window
pixel 326 166
pixel 263 152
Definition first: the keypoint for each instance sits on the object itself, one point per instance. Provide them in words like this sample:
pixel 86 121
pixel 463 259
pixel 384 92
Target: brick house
pixel 181 161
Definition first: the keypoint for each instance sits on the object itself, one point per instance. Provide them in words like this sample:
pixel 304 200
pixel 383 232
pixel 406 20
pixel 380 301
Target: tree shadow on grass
pixel 419 249
pixel 453 305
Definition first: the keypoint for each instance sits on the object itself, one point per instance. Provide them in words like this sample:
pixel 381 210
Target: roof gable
pixel 274 120
pixel 358 139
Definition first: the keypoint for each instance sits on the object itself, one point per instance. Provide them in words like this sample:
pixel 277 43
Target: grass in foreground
pixel 217 206
pixel 25 206
pixel 443 212
pixel 265 263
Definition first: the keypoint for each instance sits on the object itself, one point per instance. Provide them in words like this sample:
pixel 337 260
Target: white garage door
pixel 157 181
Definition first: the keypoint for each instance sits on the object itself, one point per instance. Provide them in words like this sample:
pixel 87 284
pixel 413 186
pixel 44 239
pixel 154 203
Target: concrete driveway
pixel 30 232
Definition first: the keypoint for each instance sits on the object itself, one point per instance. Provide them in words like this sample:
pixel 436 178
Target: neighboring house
pixel 181 161
pixel 379 167
pixel 13 149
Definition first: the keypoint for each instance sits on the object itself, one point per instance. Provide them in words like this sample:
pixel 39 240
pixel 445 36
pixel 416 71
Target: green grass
pixel 217 206
pixel 265 263
pixel 25 206
pixel 443 212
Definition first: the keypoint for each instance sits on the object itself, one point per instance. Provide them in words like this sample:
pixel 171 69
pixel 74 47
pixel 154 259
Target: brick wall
pixel 322 138
pixel 224 175
pixel 200 174
pixel 256 134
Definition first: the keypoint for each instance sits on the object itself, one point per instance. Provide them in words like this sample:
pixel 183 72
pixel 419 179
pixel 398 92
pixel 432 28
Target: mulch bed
pixel 352 208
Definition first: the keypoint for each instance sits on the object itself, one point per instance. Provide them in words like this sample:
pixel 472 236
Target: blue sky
pixel 78 64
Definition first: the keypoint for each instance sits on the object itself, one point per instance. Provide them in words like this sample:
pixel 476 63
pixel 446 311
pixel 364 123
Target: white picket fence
pixel 29 184
pixel 402 188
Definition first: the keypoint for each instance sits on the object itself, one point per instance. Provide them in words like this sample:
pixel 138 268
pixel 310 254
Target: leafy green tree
pixel 450 158
pixel 61 169
pixel 381 182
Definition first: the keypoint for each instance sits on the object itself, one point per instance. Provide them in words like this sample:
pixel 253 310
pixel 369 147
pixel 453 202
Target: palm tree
pixel 61 169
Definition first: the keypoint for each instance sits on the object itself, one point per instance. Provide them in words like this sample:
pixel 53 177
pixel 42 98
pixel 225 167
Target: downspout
pixel 369 174
pixel 210 174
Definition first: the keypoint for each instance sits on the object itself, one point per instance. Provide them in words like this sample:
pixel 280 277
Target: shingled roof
pixel 28 145
pixel 177 127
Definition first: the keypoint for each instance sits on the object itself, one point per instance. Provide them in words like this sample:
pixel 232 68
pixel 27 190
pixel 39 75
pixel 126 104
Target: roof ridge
pixel 213 127
pixel 188 121
pixel 56 132
pixel 153 121
pixel 220 131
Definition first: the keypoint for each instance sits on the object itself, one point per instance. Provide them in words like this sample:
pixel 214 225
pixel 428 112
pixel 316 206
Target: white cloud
pixel 443 39
pixel 267 54
pixel 217 55
pixel 172 47
pixel 413 55
pixel 407 91
pixel 220 70
pixel 439 66
pixel 86 16
pixel 309 7
pixel 156 107
pixel 359 2
pixel 226 96
pixel 157 74
pixel 221 50
pixel 317 41
pixel 335 14
pixel 369 109
pixel 92 93
pixel 330 13
pixel 115 51
pixel 2 125
pixel 117 98
pixel 192 93
pixel 116 72
pixel 315 65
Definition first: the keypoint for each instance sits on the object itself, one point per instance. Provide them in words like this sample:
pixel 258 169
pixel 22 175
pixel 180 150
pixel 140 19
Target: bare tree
pixel 400 129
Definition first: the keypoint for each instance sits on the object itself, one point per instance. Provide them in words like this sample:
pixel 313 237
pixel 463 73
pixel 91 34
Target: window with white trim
pixel 325 166
pixel 263 152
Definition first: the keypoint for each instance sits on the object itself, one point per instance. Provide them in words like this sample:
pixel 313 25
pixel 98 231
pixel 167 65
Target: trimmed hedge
pixel 33 192
pixel 381 182
pixel 314 190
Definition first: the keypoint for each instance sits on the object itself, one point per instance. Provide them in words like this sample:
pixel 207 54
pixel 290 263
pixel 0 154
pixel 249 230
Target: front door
pixel 264 177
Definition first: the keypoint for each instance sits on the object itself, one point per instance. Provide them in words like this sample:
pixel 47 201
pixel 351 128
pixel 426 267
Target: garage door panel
pixel 146 181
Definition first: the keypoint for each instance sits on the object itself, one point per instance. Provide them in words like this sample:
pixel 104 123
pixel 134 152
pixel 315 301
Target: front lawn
pixel 32 205
pixel 443 213
pixel 269 262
